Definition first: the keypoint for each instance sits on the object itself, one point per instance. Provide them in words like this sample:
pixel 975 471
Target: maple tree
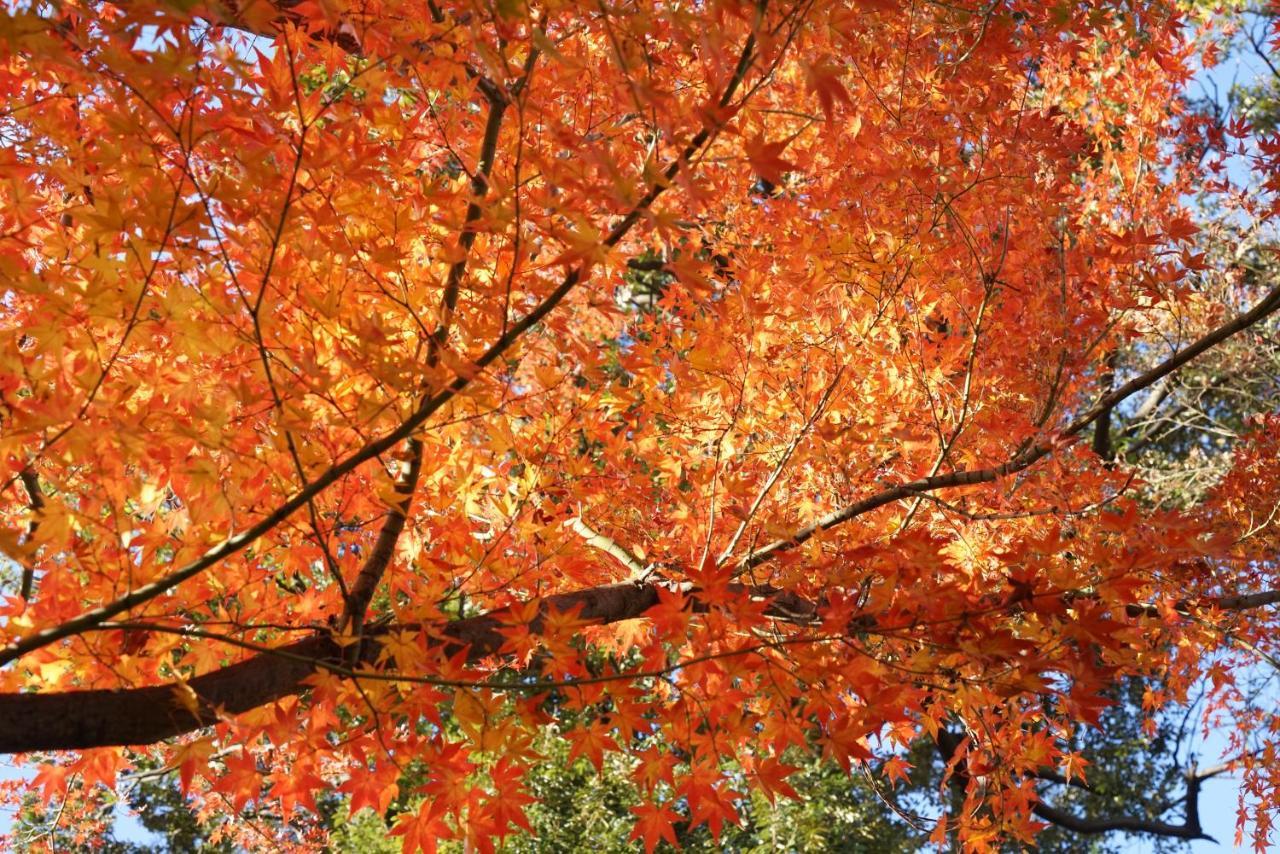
pixel 384 381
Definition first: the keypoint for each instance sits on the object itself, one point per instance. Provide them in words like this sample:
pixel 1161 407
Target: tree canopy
pixel 726 386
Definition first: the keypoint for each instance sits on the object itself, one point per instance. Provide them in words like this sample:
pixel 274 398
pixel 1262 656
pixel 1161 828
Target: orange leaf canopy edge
pixel 365 365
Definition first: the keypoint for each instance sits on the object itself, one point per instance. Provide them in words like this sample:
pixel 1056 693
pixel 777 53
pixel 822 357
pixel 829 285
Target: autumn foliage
pixel 384 381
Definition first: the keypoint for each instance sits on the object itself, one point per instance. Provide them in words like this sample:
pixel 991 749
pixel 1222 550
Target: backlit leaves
pixel 800 311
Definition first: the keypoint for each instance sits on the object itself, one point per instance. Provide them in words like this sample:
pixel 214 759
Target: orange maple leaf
pixel 655 822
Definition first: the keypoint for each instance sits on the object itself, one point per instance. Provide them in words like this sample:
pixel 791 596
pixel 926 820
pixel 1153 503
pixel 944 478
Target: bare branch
pixel 1189 829
pixel 610 547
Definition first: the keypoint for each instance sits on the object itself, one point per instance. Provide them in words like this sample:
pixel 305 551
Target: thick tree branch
pixel 1189 829
pixel 1102 445
pixel 82 719
pixel 1241 602
pixel 1248 601
pixel 74 720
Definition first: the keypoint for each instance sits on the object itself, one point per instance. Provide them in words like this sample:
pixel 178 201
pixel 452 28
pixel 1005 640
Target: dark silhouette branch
pixel 647 265
pixel 75 720
pixel 1240 602
pixel 1102 445
pixel 35 500
pixel 1189 829
pixel 70 720
pixel 949 742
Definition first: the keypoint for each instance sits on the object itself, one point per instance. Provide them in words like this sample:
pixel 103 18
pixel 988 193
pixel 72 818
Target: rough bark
pixel 73 720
